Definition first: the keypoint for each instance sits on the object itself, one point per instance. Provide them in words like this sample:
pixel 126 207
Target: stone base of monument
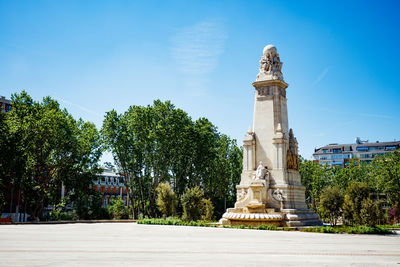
pixel 300 217
pixel 288 217
pixel 240 216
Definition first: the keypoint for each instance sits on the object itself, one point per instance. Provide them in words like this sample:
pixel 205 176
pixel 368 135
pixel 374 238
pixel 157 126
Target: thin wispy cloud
pixel 321 76
pixel 196 48
pixel 79 107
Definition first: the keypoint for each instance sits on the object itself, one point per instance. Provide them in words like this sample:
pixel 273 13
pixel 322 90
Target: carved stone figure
pixel 241 195
pixel 261 172
pixel 278 195
pixel 292 158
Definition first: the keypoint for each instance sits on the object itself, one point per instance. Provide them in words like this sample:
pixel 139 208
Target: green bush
pixel 267 227
pixel 371 212
pixel 118 210
pixel 362 229
pixel 355 194
pixel 208 210
pixel 69 216
pixel 331 202
pixel 175 221
pixel 166 200
pixel 192 204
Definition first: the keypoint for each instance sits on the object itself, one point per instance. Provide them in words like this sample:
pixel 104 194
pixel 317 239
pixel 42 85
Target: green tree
pixel 355 171
pixel 50 149
pixel 385 172
pixel 161 144
pixel 166 199
pixel 315 178
pixel 355 194
pixel 331 202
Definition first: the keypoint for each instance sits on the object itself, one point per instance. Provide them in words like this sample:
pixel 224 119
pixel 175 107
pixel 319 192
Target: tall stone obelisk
pixel 270 190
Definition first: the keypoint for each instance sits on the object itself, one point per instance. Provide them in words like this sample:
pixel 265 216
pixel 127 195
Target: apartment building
pixel 341 154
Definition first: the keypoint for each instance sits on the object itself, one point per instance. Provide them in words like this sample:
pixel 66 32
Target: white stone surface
pixel 128 244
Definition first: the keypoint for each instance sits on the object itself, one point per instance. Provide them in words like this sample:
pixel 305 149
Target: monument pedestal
pixel 272 193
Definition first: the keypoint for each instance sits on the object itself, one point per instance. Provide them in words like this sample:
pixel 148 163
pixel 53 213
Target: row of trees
pixel 42 147
pixel 160 143
pixel 353 193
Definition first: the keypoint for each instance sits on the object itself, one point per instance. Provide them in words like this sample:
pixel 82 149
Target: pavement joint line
pixel 280 253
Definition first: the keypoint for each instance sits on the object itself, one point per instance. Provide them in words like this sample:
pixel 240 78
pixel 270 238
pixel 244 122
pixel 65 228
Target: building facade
pixel 111 185
pixel 341 154
pixel 5 104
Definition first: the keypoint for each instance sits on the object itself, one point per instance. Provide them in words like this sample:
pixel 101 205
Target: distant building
pixel 5 104
pixel 341 154
pixel 111 185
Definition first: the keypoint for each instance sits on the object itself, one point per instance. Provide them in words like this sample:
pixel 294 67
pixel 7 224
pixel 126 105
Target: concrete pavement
pixel 130 244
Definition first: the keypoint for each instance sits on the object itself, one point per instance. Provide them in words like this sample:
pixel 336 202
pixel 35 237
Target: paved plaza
pixel 131 244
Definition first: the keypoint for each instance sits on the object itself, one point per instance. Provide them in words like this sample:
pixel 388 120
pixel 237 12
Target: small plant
pixel 208 209
pixel 192 204
pixel 166 199
pixel 361 229
pixel 118 209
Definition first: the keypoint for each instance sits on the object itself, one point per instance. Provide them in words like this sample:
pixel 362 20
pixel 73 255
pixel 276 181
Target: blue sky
pixel 340 59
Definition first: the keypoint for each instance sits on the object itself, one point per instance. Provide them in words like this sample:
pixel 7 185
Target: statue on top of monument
pixel 270 65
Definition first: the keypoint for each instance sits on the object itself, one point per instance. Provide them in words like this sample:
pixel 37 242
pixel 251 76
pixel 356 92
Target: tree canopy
pixel 160 143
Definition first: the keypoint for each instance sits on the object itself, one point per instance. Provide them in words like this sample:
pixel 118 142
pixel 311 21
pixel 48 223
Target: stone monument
pixel 270 190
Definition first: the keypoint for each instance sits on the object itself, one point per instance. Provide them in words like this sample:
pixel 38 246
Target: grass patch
pixel 360 229
pixel 377 230
pixel 175 221
pixel 388 226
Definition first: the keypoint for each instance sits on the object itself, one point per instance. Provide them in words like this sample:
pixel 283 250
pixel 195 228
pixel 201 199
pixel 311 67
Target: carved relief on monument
pixel 270 65
pixel 292 158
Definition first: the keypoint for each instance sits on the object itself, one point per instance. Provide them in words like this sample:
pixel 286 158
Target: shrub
pixel 355 194
pixel 166 200
pixel 371 212
pixel 267 227
pixel 348 229
pixel 331 202
pixel 118 209
pixel 69 216
pixel 208 209
pixel 394 214
pixel 192 204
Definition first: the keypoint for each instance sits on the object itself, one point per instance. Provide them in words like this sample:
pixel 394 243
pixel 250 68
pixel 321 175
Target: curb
pixel 69 222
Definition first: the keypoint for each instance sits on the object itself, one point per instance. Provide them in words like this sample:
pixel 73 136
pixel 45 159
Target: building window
pixel 337 156
pixel 336 150
pixel 364 156
pixel 325 150
pixel 362 148
pixel 390 148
